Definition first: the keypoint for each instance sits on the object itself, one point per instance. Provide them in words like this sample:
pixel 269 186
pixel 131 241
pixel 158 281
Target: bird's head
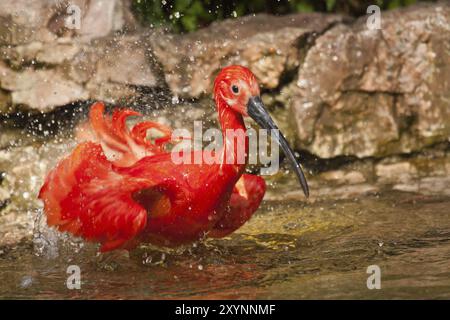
pixel 236 87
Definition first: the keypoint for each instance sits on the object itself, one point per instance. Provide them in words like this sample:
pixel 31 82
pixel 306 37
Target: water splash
pixel 45 239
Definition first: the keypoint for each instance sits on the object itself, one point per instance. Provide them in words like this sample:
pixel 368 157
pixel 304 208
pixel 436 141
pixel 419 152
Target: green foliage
pixel 189 15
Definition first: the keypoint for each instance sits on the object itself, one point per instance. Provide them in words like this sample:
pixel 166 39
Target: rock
pixel 336 133
pixel 102 17
pixel 435 185
pixel 45 65
pixel 447 166
pixel 111 70
pixel 42 90
pixel 410 186
pixel 4 196
pixel 24 21
pixel 57 53
pixel 124 61
pixel 343 177
pixel 112 93
pixel 326 193
pixel 115 68
pixel 394 172
pixel 366 93
pixel 45 20
pixel 4 193
pixel 39 53
pixel 5 101
pixel 270 46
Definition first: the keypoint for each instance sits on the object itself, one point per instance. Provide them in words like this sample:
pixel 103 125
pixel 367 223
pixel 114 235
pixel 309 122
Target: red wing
pixel 244 201
pixel 83 195
pixel 123 146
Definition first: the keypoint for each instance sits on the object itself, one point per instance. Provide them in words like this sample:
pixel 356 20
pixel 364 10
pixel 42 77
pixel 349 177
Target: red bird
pixel 139 194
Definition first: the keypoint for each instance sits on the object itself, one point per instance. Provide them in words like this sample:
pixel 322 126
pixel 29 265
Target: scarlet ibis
pixel 140 195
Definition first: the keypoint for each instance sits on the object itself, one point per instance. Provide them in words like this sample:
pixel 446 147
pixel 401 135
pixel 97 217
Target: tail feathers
pixel 125 146
pixel 83 195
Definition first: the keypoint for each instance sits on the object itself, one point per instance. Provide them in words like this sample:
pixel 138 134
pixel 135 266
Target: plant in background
pixel 190 15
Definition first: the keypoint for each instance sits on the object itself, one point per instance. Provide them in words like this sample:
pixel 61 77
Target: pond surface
pixel 289 250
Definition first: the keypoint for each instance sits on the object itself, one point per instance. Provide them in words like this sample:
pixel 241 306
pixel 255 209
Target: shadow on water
pixel 289 250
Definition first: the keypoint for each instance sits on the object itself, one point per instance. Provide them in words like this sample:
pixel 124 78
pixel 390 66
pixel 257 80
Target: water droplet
pixel 26 282
pixel 148 260
pixel 302 83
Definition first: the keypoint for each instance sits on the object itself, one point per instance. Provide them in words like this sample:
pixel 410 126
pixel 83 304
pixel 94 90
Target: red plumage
pixel 138 194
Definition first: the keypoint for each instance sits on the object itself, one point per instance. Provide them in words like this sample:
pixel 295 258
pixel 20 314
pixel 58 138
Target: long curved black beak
pixel 257 111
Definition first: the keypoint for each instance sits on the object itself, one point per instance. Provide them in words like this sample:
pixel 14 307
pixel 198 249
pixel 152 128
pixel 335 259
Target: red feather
pixel 122 188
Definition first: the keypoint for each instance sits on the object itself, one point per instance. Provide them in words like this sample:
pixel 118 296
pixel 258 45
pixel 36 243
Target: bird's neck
pixel 235 140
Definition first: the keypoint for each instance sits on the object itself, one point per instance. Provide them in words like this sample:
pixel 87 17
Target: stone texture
pixel 365 93
pixel 45 65
pixel 42 89
pixel 5 101
pixel 338 88
pixel 44 21
pixel 270 46
pixel 109 69
pixel 394 172
pixel 124 61
pixel 24 21
pixel 343 177
pixel 113 68
pixel 39 53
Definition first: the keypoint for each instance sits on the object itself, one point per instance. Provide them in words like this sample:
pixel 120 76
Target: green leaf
pixel 304 7
pixel 330 5
pixel 394 4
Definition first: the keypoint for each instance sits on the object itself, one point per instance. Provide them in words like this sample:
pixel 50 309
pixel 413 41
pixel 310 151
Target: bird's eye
pixel 235 89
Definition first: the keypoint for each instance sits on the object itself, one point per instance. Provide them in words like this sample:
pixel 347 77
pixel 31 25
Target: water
pixel 289 250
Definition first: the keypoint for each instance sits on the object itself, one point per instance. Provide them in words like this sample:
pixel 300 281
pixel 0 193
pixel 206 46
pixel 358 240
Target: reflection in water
pixel 288 250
